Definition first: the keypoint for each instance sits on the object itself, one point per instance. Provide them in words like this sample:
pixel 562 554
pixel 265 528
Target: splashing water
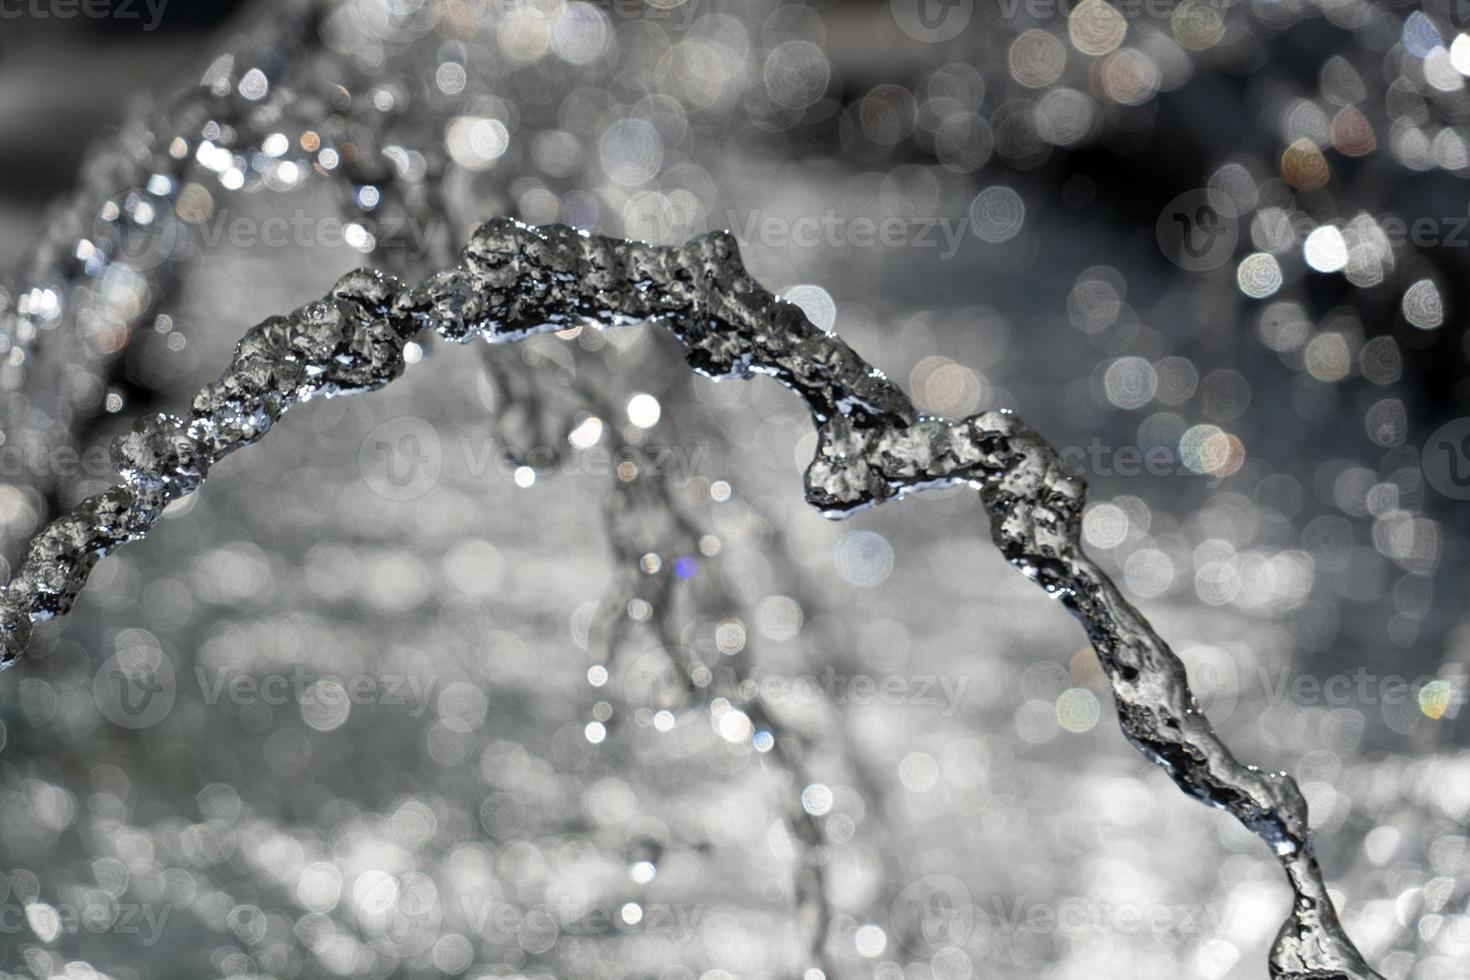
pixel 514 281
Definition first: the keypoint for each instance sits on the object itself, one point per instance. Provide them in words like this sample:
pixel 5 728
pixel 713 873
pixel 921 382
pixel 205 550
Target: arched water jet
pixel 514 281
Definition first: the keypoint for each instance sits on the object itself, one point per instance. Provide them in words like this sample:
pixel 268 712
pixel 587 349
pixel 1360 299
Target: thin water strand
pixel 514 281
pixel 647 501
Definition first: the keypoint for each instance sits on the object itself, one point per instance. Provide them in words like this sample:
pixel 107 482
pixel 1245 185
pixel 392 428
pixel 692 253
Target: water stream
pixel 514 281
